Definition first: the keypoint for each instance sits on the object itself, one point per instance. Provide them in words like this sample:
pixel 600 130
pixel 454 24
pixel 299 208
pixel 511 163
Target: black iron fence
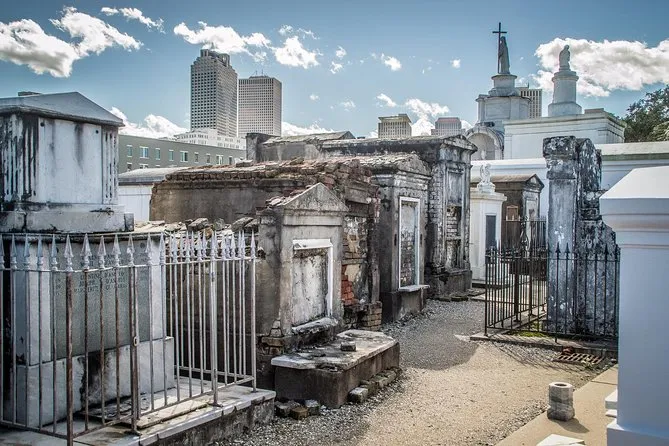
pixel 554 292
pixel 525 232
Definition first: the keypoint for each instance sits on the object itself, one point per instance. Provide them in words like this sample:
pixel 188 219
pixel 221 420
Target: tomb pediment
pixel 316 198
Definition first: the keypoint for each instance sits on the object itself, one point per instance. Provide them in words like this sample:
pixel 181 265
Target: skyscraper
pixel 449 126
pixel 394 126
pixel 534 94
pixel 260 106
pixel 213 93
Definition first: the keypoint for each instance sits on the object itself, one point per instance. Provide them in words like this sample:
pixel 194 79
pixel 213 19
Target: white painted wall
pixel 136 199
pixel 637 208
pixel 524 138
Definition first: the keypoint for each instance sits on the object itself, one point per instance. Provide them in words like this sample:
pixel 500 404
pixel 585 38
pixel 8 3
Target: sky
pixel 342 63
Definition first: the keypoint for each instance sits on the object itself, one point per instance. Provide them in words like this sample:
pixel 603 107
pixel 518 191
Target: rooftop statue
pixel 564 59
pixel 503 56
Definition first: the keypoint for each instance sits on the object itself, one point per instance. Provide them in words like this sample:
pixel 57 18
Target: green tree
pixel 648 118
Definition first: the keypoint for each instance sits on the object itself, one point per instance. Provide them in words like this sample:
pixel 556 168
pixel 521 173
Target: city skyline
pixel 340 70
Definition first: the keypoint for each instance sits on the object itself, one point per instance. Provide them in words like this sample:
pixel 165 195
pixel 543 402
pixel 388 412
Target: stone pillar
pixel 562 163
pixel 637 208
pixel 564 94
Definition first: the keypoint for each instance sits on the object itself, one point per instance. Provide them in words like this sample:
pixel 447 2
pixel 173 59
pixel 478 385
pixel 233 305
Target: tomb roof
pixel 146 176
pixel 71 106
pixel 312 137
pixel 635 150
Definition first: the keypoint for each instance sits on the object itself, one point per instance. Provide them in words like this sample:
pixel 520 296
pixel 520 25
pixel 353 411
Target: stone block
pixel 299 412
pixel 561 401
pixel 371 386
pixel 358 395
pixel 347 346
pixel 284 409
pixel 313 407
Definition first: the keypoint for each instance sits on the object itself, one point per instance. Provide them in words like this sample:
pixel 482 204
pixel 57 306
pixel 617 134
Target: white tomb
pixel 486 222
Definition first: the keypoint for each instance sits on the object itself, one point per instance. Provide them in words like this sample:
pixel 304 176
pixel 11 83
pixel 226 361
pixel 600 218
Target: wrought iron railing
pixel 555 292
pixel 105 329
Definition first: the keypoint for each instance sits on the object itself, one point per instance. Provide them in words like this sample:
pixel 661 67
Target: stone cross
pixel 499 33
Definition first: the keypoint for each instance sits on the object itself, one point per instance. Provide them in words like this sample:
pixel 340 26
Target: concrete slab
pixel 611 401
pixel 368 344
pixel 560 440
pixel 590 421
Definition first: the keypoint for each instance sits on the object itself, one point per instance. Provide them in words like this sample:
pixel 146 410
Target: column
pixel 637 208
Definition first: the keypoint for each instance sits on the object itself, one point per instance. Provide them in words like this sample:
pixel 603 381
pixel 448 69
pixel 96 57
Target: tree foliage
pixel 648 118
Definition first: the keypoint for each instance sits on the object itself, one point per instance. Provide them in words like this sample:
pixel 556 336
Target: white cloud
pixel 335 67
pixel 391 62
pixel 606 66
pixel 293 54
pixel 288 129
pixel 287 30
pixel 421 127
pixel 24 42
pixel 466 125
pixel 94 35
pixel 347 105
pixel 386 101
pixel 224 39
pixel 135 14
pixel 425 109
pixel 153 127
pixel 455 63
pixel 314 97
pixel 340 53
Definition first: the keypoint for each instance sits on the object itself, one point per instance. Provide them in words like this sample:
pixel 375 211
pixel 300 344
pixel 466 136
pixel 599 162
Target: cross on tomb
pixel 499 33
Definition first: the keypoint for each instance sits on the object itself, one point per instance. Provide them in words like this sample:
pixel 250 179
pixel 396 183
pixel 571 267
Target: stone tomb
pixel 97 296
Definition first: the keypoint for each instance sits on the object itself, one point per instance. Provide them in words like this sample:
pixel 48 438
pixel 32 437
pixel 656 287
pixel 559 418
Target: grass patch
pixel 530 334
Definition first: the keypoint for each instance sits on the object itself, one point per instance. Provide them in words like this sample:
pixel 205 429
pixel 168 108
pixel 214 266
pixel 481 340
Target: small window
pixel 512 213
pixel 171 155
pixel 158 154
pixel 143 152
pixel 184 157
pixel 219 159
pixel 128 166
pixel 143 166
pixel 196 157
pixel 128 149
pixel 229 160
pixel 208 158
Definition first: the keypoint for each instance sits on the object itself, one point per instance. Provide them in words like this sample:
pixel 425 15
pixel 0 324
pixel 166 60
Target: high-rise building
pixel 534 95
pixel 260 106
pixel 394 126
pixel 449 126
pixel 213 93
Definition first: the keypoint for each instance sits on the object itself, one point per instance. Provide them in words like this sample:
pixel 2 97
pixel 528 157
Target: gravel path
pixel 453 392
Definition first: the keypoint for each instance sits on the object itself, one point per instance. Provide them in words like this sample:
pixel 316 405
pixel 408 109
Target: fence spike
pixel 12 253
pixel 253 245
pixel 26 252
pixel 54 253
pixel 130 250
pixel 242 245
pixel 233 247
pixel 86 253
pixel 198 248
pixel 213 251
pixel 40 253
pixel 68 254
pixel 116 251
pixel 148 251
pixel 186 247
pixel 557 250
pixel 174 249
pixel 161 252
pixel 102 252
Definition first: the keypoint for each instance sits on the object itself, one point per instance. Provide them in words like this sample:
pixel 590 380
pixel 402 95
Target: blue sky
pixel 405 51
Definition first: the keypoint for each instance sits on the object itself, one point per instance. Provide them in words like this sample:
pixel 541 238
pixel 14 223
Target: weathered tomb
pixel 59 169
pixel 448 161
pixel 582 276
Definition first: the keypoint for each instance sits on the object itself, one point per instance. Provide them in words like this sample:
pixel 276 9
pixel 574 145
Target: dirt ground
pixel 452 392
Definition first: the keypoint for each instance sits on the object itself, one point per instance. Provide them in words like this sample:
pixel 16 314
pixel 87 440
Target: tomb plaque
pixel 408 242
